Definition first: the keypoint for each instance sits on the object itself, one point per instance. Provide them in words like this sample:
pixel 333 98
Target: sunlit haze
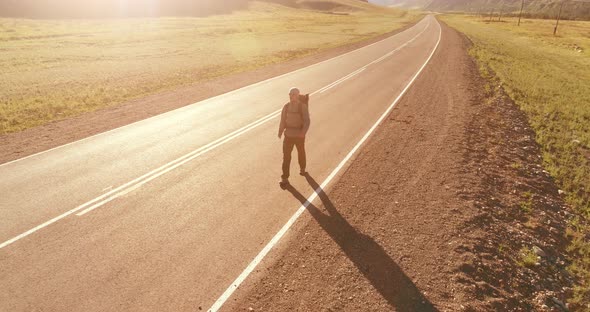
pixel 115 8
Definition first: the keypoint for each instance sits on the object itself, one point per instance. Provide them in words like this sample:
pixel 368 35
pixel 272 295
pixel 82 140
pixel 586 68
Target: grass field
pixel 52 69
pixel 549 78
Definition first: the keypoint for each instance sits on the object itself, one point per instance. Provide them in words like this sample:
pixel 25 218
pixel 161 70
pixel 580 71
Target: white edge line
pixel 120 190
pixel 236 283
pixel 390 53
pixel 398 48
pixel 212 98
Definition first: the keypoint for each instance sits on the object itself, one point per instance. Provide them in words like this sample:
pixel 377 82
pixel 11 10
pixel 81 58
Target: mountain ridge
pixel 579 9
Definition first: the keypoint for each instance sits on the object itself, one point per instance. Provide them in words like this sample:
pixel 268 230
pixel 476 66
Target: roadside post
pixel 558 16
pixel 520 14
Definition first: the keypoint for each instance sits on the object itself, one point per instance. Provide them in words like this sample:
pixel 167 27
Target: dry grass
pixel 52 69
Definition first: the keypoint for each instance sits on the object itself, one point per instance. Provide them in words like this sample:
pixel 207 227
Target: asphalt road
pixel 165 213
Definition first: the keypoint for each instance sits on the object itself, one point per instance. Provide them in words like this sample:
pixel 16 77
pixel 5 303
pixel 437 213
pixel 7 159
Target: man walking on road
pixel 294 124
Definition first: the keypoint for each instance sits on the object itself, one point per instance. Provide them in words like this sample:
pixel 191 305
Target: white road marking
pixel 209 99
pixel 114 193
pixel 337 82
pixel 236 283
pixel 400 47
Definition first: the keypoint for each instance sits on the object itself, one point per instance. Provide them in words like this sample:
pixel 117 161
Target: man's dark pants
pixel 288 144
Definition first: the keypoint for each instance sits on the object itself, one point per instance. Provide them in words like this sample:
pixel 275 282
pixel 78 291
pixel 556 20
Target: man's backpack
pixel 295 118
pixel 304 99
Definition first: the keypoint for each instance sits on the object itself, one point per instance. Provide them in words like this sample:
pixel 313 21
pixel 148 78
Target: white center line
pixel 337 82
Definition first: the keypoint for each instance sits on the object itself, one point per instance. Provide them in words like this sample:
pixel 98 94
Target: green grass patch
pixel 549 78
pixel 52 69
pixel 526 205
pixel 527 257
pixel 502 248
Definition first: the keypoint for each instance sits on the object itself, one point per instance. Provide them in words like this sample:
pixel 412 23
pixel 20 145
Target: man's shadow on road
pixel 366 254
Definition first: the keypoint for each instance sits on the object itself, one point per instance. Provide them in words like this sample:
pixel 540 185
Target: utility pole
pixel 520 14
pixel 558 16
pixel 501 9
pixel 491 15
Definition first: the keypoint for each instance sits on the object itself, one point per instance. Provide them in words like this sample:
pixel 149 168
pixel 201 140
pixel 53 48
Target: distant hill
pixel 579 9
pixel 328 5
pixel 73 9
pixel 408 4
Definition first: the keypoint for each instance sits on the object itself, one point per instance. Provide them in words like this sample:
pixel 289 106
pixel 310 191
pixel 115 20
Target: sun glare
pixel 116 8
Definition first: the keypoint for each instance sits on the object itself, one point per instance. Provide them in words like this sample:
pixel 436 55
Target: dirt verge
pixel 21 144
pixel 434 213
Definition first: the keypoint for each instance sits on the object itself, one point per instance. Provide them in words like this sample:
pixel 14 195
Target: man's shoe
pixel 284 183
